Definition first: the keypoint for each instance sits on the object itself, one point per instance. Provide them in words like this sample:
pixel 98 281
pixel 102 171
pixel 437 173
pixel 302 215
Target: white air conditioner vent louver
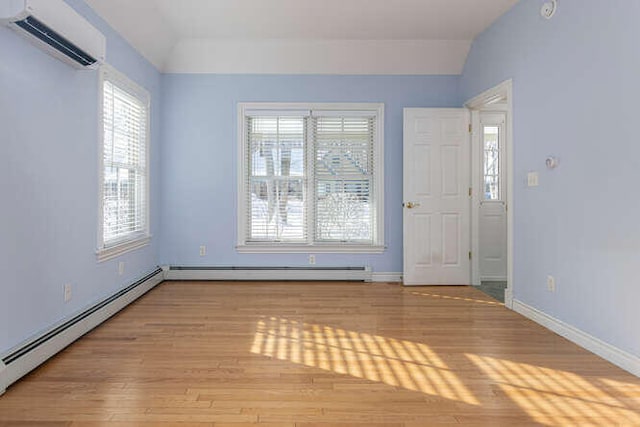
pixel 55 27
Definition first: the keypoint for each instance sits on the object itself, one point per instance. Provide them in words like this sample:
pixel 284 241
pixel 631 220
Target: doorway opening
pixel 492 180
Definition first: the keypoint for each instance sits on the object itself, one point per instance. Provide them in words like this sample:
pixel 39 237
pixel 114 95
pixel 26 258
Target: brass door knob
pixel 411 205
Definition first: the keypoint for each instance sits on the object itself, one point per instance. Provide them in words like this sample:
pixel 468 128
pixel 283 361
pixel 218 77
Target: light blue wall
pixel 576 86
pixel 199 148
pixel 575 83
pixel 48 167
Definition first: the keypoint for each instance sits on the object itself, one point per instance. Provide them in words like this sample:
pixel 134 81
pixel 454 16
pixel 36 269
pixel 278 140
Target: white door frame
pixel 498 98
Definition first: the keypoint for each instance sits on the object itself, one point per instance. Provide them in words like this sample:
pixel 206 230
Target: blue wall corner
pixel 48 162
pixel 575 86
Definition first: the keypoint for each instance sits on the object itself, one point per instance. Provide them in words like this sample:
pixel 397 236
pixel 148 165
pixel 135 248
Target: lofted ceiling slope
pixel 303 36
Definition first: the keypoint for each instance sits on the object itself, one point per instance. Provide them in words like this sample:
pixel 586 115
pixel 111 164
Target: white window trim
pixel 135 241
pixel 378 193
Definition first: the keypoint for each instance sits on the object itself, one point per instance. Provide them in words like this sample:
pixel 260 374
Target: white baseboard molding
pixel 23 360
pixel 508 298
pixel 268 273
pixel 618 357
pixel 3 378
pixel 386 277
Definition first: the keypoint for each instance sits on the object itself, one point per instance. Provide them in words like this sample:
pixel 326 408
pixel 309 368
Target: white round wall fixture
pixel 551 162
pixel 549 9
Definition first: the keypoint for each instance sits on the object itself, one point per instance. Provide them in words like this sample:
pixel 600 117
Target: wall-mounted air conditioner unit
pixel 56 28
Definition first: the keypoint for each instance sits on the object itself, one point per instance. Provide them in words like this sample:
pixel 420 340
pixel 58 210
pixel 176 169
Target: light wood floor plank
pixel 301 354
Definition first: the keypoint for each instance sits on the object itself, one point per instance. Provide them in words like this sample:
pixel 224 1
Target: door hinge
pixel 469 254
pixel 470 128
pixel 470 191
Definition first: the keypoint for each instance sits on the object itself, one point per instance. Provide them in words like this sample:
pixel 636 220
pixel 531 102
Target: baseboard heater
pixel 29 356
pixel 268 273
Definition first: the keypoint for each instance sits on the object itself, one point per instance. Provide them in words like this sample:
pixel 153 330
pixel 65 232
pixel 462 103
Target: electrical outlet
pixel 121 268
pixel 203 250
pixel 67 292
pixel 551 284
pixel 312 259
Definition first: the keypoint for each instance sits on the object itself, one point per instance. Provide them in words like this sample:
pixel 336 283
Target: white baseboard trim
pixel 266 273
pixel 618 357
pixel 32 354
pixel 3 378
pixel 386 277
pixel 508 298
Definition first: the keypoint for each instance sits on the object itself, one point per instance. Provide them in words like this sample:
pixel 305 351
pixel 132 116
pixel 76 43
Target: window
pixel 124 183
pixel 311 178
pixel 491 161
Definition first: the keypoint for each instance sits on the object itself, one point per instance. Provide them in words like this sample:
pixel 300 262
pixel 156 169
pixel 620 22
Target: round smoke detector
pixel 549 9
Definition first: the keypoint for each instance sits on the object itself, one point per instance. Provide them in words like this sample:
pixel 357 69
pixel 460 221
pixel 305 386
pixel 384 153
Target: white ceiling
pixel 273 36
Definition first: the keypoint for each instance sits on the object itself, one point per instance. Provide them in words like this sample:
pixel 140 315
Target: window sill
pixel 315 249
pixel 110 252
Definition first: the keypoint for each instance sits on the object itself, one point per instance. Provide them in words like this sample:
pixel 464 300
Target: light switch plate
pixel 532 179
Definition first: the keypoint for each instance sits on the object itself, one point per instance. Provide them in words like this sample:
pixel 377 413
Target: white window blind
pixel 124 189
pixel 276 179
pixel 310 179
pixel 343 178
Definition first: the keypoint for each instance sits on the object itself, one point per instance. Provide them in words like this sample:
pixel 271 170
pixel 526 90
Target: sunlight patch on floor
pixel 400 363
pixel 544 393
pixel 449 297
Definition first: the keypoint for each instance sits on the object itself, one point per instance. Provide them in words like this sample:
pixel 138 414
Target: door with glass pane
pixel 493 215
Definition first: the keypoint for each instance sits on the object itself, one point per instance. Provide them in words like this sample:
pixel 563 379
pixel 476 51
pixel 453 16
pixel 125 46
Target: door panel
pixel 451 240
pixel 450 157
pixel 493 214
pixel 422 161
pixel 422 226
pixel 493 241
pixel 437 206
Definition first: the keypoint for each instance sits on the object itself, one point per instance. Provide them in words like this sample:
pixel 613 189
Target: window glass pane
pixel 343 176
pixel 491 163
pixel 277 210
pixel 276 184
pixel 343 145
pixel 122 212
pixel 344 212
pixel 124 159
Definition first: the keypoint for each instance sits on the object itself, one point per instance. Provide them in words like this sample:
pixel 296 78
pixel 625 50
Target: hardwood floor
pixel 321 354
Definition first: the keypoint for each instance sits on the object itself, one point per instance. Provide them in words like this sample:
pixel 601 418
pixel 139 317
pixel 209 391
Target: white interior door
pixel 493 213
pixel 436 219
